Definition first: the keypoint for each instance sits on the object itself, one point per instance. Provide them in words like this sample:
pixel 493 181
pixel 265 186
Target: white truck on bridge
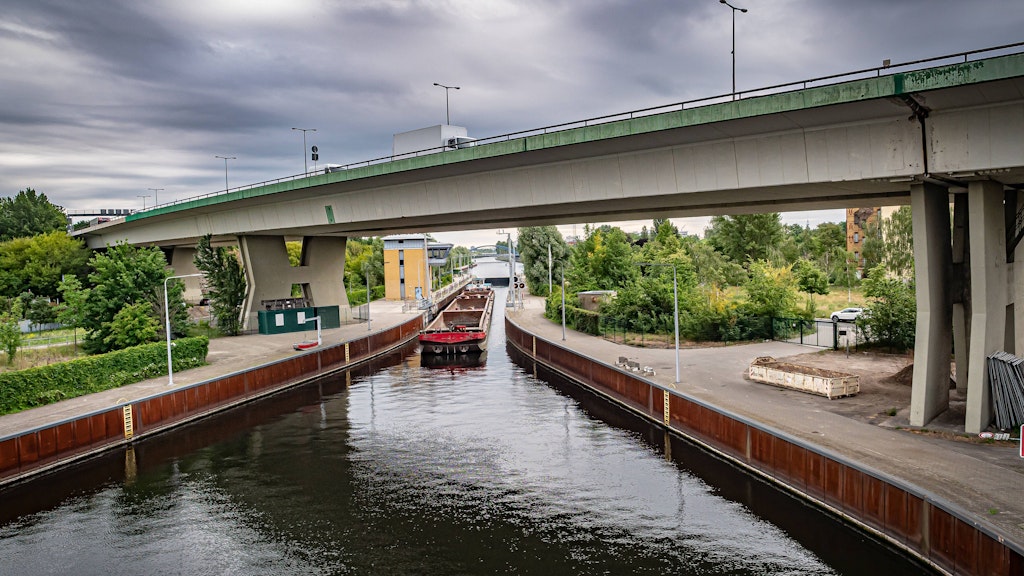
pixel 430 140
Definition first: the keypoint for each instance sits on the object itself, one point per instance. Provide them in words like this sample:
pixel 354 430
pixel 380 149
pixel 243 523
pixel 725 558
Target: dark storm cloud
pixel 112 35
pixel 129 95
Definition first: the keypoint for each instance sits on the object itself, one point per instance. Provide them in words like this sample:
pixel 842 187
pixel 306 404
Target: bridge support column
pixel 933 259
pixel 270 275
pixel 990 295
pixel 322 269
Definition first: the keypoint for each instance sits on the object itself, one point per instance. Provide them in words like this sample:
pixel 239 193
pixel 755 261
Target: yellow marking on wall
pixel 534 346
pixel 665 395
pixel 346 353
pixel 129 424
pixel 131 468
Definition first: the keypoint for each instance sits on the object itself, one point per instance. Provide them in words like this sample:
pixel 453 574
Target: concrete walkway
pixel 226 356
pixel 985 480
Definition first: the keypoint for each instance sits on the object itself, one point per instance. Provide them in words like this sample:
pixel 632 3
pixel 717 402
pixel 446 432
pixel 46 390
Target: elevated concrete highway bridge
pixel 927 136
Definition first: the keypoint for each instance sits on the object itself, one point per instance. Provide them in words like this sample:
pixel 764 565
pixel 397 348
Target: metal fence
pixel 821 333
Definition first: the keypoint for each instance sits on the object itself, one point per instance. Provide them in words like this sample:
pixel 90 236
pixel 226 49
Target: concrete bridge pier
pixel 964 282
pixel 990 296
pixel 929 206
pixel 270 275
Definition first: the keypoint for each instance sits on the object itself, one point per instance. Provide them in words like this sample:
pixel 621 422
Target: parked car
pixel 847 314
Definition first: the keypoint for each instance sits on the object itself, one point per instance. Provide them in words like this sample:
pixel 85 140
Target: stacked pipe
pixel 1006 382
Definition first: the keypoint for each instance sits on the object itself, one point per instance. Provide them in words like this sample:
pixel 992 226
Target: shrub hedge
pixel 47 384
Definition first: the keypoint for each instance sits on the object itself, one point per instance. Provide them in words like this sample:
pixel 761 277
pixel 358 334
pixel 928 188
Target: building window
pixel 856 237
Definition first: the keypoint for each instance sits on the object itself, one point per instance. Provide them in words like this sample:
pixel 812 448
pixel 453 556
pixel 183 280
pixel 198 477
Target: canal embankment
pixel 239 369
pixel 956 505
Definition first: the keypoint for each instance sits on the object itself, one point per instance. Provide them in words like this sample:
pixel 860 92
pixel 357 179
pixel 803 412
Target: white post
pixel 167 326
pixel 563 301
pixel 675 299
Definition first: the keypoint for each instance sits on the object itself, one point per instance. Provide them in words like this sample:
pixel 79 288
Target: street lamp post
pixel 447 117
pixel 562 267
pixel 305 165
pixel 675 301
pixel 226 158
pixel 167 326
pixel 366 272
pixel 156 197
pixel 734 9
pixel 143 199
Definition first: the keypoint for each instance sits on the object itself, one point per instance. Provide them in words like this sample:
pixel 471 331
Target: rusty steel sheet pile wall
pixel 43 447
pixel 934 531
pixel 37 450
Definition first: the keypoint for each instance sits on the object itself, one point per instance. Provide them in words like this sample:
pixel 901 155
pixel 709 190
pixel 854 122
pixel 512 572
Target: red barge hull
pixel 462 326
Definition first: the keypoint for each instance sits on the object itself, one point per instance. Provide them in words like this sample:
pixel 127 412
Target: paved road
pixel 226 356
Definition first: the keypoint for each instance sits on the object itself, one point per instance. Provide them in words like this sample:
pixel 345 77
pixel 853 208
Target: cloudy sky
pixel 101 100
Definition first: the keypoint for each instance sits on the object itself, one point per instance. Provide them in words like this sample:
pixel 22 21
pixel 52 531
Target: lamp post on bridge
pixel 156 197
pixel 226 158
pixel 305 164
pixel 447 117
pixel 143 199
pixel 167 326
pixel 734 9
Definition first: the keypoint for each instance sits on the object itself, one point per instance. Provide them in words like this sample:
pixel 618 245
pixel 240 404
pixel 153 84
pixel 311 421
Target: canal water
pixel 401 469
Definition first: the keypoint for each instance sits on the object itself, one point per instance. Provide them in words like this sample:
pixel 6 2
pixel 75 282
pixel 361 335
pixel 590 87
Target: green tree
pixel 891 316
pixel 28 214
pixel 746 237
pixel 10 331
pixel 603 261
pixel 714 269
pixel 125 275
pixel 533 246
pixel 898 238
pixel 771 291
pixel 364 257
pixel 38 309
pixel 37 263
pixel 810 278
pixel 827 237
pixel 71 312
pixel 132 325
pixel 226 286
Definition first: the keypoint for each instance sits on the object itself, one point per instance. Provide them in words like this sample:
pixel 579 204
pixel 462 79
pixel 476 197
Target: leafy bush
pixel 891 317
pixel 576 318
pixel 46 384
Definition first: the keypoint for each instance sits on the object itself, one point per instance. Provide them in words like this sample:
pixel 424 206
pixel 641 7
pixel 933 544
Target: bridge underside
pixel 913 137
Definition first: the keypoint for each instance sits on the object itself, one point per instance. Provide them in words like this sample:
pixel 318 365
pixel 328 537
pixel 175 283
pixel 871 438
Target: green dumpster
pixel 289 320
pixel 330 316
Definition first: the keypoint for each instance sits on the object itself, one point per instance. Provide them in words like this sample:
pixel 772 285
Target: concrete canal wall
pixel 935 531
pixel 40 449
